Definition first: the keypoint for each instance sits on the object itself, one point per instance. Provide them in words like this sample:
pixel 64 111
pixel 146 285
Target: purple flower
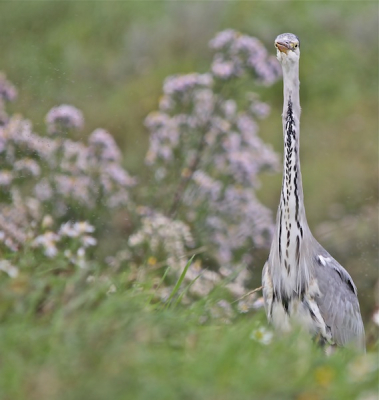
pixel 7 91
pixel 118 175
pixel 75 157
pixel 259 109
pixel 179 84
pixel 223 69
pixel 27 166
pixel 103 143
pixel 64 117
pixel 43 190
pixel 238 53
pixel 222 39
pixel 6 178
pixel 207 185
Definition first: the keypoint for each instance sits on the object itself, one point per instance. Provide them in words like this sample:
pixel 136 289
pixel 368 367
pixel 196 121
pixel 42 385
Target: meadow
pixel 140 171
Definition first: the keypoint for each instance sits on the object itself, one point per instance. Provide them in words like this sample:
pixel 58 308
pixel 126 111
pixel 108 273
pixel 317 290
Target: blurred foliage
pixel 99 337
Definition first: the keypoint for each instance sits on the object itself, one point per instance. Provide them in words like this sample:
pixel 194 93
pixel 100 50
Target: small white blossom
pixel 8 268
pixel 112 289
pixel 47 221
pixel 262 335
pixel 81 252
pixel 243 306
pixel 88 241
pixel 75 229
pixel 48 242
pixel 375 317
pixel 83 227
pixel 67 229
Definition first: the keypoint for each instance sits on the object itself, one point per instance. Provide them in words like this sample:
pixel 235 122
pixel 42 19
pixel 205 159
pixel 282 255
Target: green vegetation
pixel 67 336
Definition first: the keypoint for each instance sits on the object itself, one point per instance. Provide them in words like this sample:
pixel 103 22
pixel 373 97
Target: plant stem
pixel 185 178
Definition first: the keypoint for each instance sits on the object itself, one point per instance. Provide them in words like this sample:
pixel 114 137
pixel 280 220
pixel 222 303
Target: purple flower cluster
pixel 237 53
pixel 57 173
pixel 62 118
pixel 179 84
pixel 18 219
pixel 210 145
pixel 7 93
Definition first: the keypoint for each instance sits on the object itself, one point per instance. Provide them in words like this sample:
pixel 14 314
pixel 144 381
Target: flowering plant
pixel 54 175
pixel 204 150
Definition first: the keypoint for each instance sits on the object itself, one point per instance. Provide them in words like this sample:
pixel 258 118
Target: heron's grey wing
pixel 338 301
pixel 267 289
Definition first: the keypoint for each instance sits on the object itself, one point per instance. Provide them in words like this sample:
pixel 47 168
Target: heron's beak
pixel 282 47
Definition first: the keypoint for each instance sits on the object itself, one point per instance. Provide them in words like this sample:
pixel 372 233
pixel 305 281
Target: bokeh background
pixel 109 59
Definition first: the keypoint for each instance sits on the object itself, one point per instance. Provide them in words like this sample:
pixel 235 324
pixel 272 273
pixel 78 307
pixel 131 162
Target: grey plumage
pixel 302 282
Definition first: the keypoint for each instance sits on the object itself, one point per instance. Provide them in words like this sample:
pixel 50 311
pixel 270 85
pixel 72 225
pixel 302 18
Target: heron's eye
pixel 296 45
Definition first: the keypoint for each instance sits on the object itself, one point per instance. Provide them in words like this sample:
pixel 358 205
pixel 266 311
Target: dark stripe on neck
pixel 290 188
pixel 290 144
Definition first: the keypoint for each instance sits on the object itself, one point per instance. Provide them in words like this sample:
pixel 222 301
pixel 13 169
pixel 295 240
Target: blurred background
pixel 109 59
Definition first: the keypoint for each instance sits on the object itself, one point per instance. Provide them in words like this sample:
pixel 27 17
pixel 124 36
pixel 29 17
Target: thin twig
pixel 190 253
pixel 248 294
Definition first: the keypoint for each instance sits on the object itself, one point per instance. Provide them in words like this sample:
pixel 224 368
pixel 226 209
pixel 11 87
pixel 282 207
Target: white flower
pixel 50 251
pixel 112 289
pixel 67 229
pixel 243 306
pixel 6 178
pixel 47 241
pixel 88 241
pixel 81 252
pixel 262 335
pixel 75 229
pixel 375 317
pixel 67 253
pixel 83 227
pixel 8 268
pixel 47 221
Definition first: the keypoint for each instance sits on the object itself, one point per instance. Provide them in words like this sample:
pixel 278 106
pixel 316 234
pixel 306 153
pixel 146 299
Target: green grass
pixel 63 337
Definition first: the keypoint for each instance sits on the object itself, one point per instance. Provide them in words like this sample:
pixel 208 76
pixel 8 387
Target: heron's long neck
pixel 292 221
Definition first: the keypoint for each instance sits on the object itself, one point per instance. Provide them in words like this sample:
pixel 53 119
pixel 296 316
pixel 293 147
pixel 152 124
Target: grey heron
pixel 302 283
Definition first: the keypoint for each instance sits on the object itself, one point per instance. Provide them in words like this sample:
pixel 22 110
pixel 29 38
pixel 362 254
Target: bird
pixel 302 284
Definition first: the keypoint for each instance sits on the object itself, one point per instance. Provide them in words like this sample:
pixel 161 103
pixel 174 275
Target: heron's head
pixel 288 48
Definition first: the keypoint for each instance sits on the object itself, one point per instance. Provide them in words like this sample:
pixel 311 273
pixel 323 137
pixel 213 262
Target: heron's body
pixel 302 282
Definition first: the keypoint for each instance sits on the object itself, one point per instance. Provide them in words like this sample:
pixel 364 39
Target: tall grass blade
pixel 159 285
pixel 179 281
